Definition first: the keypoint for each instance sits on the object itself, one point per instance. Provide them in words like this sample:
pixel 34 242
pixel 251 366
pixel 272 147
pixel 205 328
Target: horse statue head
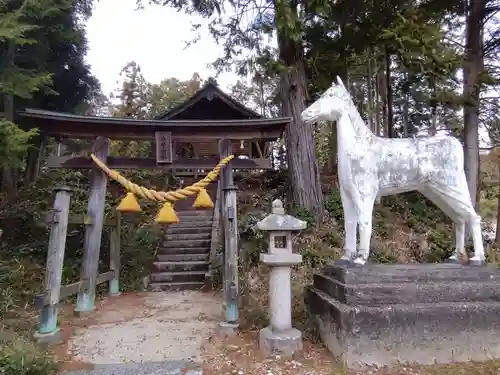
pixel 330 106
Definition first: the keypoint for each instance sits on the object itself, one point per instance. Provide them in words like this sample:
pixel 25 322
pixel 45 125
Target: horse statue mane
pixel 370 167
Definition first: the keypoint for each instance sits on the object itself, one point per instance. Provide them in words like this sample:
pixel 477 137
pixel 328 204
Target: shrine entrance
pixel 189 141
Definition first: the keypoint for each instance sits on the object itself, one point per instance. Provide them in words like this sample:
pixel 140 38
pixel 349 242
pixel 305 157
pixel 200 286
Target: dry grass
pixel 318 247
pixel 241 355
pixel 394 242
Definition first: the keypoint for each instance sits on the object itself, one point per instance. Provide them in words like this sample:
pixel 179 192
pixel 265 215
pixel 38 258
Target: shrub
pixel 20 356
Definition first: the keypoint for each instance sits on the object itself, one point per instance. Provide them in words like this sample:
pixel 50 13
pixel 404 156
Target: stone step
pixel 377 294
pixel 177 286
pixel 176 229
pixel 183 257
pixel 179 266
pixel 171 367
pixel 183 243
pixel 195 215
pixel 186 276
pixel 183 250
pixel 168 237
pixel 188 223
pixel 409 273
pixel 422 333
pixel 195 212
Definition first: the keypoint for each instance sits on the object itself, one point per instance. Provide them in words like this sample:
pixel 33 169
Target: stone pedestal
pixel 50 339
pixel 388 314
pixel 280 342
pixel 280 337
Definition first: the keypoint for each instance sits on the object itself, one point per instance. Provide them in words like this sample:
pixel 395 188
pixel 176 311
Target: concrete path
pixel 159 333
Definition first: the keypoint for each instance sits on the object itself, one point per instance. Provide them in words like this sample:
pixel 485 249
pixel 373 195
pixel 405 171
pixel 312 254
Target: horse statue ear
pixel 339 81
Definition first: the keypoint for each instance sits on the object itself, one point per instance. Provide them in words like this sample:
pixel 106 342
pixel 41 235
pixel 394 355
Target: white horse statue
pixel 370 167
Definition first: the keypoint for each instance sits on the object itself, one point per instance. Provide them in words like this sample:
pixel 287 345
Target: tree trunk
pixel 497 224
pixel 433 127
pixel 332 148
pixel 388 91
pixel 382 89
pixel 378 121
pixel 303 167
pixel 434 121
pixel 9 181
pixel 33 161
pixel 369 88
pixel 406 96
pixel 472 70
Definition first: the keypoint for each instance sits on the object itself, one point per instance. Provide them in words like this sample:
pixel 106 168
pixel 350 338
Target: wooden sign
pixel 163 147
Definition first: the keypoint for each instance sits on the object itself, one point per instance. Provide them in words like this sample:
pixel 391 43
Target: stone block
pixel 284 343
pixel 169 367
pixel 49 339
pixel 226 329
pixel 388 314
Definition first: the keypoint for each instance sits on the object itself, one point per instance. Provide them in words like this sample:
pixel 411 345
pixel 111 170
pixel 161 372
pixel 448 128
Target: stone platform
pixel 388 314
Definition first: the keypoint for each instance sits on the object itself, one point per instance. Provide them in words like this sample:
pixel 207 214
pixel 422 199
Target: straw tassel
pixel 129 204
pixel 203 200
pixel 167 214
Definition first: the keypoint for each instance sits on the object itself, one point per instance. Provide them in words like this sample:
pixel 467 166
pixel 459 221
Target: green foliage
pixel 142 99
pixel 13 142
pixel 409 212
pixel 260 95
pixel 38 38
pixel 303 214
pixel 410 217
pixel 16 29
pixel 333 204
pixel 22 262
pixel 19 356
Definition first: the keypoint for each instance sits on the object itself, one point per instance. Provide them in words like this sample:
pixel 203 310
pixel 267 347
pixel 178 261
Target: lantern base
pixel 280 342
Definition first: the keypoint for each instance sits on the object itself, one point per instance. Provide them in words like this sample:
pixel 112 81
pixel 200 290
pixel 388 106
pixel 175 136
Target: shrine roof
pixel 210 102
pixel 73 125
pixel 209 113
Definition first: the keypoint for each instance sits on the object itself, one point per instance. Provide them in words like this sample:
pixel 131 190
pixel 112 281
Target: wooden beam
pixel 74 288
pixel 259 151
pixel 78 220
pixel 82 162
pixel 117 132
pixel 93 231
pixel 55 259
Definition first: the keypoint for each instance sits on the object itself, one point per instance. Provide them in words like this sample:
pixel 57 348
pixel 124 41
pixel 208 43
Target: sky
pixel 153 37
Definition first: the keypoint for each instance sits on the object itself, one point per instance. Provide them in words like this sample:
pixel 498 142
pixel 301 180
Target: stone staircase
pixel 183 257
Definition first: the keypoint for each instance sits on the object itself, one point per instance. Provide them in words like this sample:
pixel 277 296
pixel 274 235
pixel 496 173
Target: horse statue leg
pixel 479 257
pixel 434 195
pixel 350 227
pixel 457 200
pixel 459 241
pixel 365 220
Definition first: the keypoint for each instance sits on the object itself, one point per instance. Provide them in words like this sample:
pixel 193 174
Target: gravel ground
pixel 146 333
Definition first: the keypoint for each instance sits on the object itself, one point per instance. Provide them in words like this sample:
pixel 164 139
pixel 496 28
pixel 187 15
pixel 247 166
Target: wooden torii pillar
pixel 229 238
pixel 93 229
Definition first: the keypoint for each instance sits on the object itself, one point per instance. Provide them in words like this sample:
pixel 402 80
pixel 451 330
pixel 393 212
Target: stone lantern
pixel 280 337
